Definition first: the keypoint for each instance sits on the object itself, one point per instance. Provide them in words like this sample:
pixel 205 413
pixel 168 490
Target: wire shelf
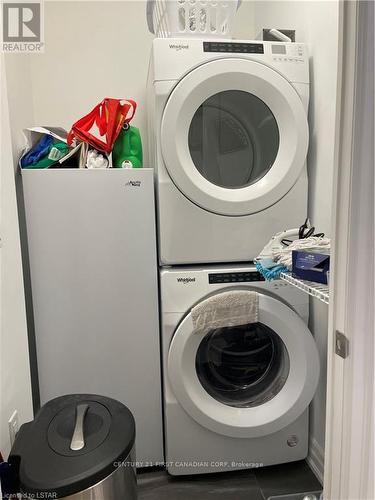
pixel 317 290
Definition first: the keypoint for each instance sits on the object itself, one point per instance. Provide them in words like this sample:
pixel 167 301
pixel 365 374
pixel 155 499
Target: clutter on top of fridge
pixel 90 142
pixel 108 117
pixel 127 150
pixel 43 147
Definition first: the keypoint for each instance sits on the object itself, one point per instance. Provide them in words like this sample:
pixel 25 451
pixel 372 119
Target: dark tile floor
pixel 256 484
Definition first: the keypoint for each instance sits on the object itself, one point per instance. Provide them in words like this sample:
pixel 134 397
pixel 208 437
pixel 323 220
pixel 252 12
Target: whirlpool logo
pixel 186 281
pixel 179 46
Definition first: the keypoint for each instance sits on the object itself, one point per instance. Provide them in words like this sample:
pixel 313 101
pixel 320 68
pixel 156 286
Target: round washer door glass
pixel 233 139
pixel 234 136
pixel 242 366
pixel 245 381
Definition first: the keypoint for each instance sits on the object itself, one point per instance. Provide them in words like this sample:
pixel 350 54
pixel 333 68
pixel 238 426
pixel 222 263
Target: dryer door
pixel 245 381
pixel 234 136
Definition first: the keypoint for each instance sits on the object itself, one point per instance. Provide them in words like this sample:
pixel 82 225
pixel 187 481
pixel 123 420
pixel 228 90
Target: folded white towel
pixel 232 308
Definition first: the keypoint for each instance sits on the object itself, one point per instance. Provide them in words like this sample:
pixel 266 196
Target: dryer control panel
pixel 234 47
pixel 173 59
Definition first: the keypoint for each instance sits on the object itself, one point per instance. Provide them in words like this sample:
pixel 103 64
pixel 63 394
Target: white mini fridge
pixel 93 273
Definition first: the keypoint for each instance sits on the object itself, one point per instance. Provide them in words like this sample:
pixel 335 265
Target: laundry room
pixel 187 249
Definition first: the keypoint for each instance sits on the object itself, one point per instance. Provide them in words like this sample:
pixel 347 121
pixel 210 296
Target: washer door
pixel 245 381
pixel 234 136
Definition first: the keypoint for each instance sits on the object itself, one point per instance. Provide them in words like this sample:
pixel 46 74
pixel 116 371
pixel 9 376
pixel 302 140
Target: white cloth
pixel 232 308
pixel 96 160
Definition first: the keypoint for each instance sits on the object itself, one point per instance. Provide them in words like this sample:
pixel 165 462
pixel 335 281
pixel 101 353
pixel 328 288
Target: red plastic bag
pixel 109 116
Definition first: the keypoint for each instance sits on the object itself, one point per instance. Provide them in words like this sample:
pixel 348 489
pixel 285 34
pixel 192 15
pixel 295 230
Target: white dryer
pixel 235 397
pixel 228 139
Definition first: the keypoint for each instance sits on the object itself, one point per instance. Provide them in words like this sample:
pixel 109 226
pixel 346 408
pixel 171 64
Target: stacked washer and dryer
pixel 228 137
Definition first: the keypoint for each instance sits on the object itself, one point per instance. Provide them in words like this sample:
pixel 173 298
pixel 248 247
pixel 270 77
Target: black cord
pixel 306 231
pixel 286 242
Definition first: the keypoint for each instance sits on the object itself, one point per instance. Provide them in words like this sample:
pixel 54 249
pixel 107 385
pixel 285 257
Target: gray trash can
pixel 78 447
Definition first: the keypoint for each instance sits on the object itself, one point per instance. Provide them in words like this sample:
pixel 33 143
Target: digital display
pixel 234 47
pixel 278 49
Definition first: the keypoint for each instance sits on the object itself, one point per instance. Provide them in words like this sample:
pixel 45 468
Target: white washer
pixel 228 139
pixel 235 397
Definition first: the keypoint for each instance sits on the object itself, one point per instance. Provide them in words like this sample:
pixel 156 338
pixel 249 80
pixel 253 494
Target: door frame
pixel 349 455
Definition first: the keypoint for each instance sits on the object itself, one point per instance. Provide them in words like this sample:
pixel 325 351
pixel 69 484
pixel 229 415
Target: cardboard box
pixel 310 266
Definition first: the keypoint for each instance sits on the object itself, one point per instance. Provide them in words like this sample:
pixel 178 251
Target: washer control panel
pixel 243 277
pixel 234 47
pixel 291 53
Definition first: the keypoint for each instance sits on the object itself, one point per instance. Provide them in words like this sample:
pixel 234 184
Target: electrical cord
pixel 305 231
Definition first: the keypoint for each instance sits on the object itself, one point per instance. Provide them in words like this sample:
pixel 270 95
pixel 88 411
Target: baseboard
pixel 315 459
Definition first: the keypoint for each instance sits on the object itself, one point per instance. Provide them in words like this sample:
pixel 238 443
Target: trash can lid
pixel 73 443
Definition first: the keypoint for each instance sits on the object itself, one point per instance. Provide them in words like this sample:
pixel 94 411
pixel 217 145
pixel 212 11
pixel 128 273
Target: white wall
pixel 94 50
pixel 316 23
pixel 20 99
pixel 14 355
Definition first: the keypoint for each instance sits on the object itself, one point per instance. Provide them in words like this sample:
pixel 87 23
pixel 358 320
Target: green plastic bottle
pixel 127 150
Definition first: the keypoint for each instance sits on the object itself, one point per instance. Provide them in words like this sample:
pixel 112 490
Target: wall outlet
pixel 14 426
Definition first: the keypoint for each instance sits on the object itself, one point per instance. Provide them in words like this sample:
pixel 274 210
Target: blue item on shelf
pixel 269 269
pixel 40 150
